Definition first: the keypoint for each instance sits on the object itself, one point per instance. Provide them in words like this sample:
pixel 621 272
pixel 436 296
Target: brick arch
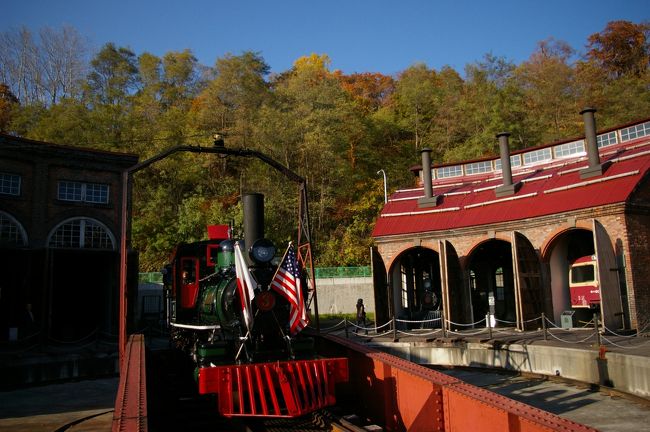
pixel 472 249
pixel 400 252
pixel 547 244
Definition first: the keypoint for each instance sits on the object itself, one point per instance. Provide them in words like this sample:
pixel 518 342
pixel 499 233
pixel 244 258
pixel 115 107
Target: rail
pixel 131 402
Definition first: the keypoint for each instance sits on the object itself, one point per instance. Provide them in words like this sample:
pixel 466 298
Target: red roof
pixel 553 186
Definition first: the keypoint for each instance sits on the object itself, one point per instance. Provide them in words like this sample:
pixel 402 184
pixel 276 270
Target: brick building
pixel 497 236
pixel 60 221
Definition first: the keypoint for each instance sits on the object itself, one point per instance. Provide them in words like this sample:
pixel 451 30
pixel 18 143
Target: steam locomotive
pixel 237 308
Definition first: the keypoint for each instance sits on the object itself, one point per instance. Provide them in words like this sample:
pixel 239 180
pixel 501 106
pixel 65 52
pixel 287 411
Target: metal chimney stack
pixel 253 217
pixel 508 188
pixel 429 200
pixel 595 168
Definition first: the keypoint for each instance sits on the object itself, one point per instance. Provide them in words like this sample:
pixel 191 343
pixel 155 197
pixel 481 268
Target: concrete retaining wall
pixel 339 295
pixel 627 373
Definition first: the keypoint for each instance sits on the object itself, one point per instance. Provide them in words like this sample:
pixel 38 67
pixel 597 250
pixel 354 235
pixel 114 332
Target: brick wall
pixel 628 236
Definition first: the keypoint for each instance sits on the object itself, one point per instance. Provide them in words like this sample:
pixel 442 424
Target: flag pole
pixel 282 260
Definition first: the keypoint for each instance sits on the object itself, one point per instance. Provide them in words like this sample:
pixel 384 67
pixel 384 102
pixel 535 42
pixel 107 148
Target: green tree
pixel 547 83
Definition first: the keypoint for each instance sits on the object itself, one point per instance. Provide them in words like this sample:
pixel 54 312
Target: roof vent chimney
pixel 507 188
pixel 595 168
pixel 429 200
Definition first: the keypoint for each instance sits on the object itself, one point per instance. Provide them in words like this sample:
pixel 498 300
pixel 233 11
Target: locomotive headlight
pixel 262 251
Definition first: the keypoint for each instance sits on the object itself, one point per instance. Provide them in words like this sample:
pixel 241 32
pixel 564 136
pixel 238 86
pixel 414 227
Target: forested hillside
pixel 335 129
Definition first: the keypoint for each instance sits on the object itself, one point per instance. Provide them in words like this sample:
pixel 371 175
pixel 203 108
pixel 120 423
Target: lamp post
pixel 385 191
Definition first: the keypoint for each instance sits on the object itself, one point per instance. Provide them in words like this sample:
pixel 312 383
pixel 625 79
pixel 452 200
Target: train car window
pixel 581 274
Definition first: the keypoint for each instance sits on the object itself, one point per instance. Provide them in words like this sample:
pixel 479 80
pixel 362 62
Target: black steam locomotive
pixel 237 308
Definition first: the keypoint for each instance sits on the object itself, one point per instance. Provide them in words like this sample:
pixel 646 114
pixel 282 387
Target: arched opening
pixel 415 282
pixel 566 248
pixel 81 233
pixel 17 296
pixel 83 265
pixel 491 281
pixel 12 233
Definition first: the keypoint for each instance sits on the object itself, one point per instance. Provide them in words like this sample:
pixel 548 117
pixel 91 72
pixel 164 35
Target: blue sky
pixel 358 35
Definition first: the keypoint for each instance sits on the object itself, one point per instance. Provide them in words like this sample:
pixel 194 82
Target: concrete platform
pixel 618 362
pixel 73 406
pixel 573 401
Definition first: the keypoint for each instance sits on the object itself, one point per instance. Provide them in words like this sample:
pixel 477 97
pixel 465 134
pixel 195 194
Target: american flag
pixel 287 283
pixel 245 287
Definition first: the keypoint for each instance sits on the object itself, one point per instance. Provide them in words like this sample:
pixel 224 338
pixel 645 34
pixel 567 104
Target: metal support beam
pixel 304 229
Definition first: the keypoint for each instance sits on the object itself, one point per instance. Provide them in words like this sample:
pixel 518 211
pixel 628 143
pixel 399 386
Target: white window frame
pixel 77 235
pixel 83 192
pixel 10 184
pixel 569 149
pixel 9 224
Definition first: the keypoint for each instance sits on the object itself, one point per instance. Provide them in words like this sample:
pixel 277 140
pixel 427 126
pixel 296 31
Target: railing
pixel 152 277
pixel 321 273
pixel 342 272
pixel 435 324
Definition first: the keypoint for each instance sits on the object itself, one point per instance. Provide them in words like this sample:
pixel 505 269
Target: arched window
pixel 82 233
pixel 12 232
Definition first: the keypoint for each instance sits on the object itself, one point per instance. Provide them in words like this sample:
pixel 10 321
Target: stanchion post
pixel 544 326
pixel 596 328
pixel 444 324
pixel 394 329
pixel 489 325
pixel 347 335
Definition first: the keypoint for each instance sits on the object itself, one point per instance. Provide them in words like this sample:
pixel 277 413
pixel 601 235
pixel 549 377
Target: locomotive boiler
pixel 237 308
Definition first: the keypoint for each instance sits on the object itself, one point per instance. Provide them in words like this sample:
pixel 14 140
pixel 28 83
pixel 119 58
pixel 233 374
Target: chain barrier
pixel 90 335
pixel 468 334
pixel 641 345
pixel 465 325
pixel 571 342
pixel 336 326
pixel 417 322
pixel 619 335
pixel 428 333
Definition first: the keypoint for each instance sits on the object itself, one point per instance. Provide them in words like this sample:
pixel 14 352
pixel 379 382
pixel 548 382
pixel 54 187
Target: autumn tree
pixel 8 102
pixel 621 48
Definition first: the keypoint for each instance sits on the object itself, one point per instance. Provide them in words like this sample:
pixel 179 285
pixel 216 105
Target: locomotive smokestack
pixel 595 168
pixel 429 200
pixel 508 188
pixel 253 217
